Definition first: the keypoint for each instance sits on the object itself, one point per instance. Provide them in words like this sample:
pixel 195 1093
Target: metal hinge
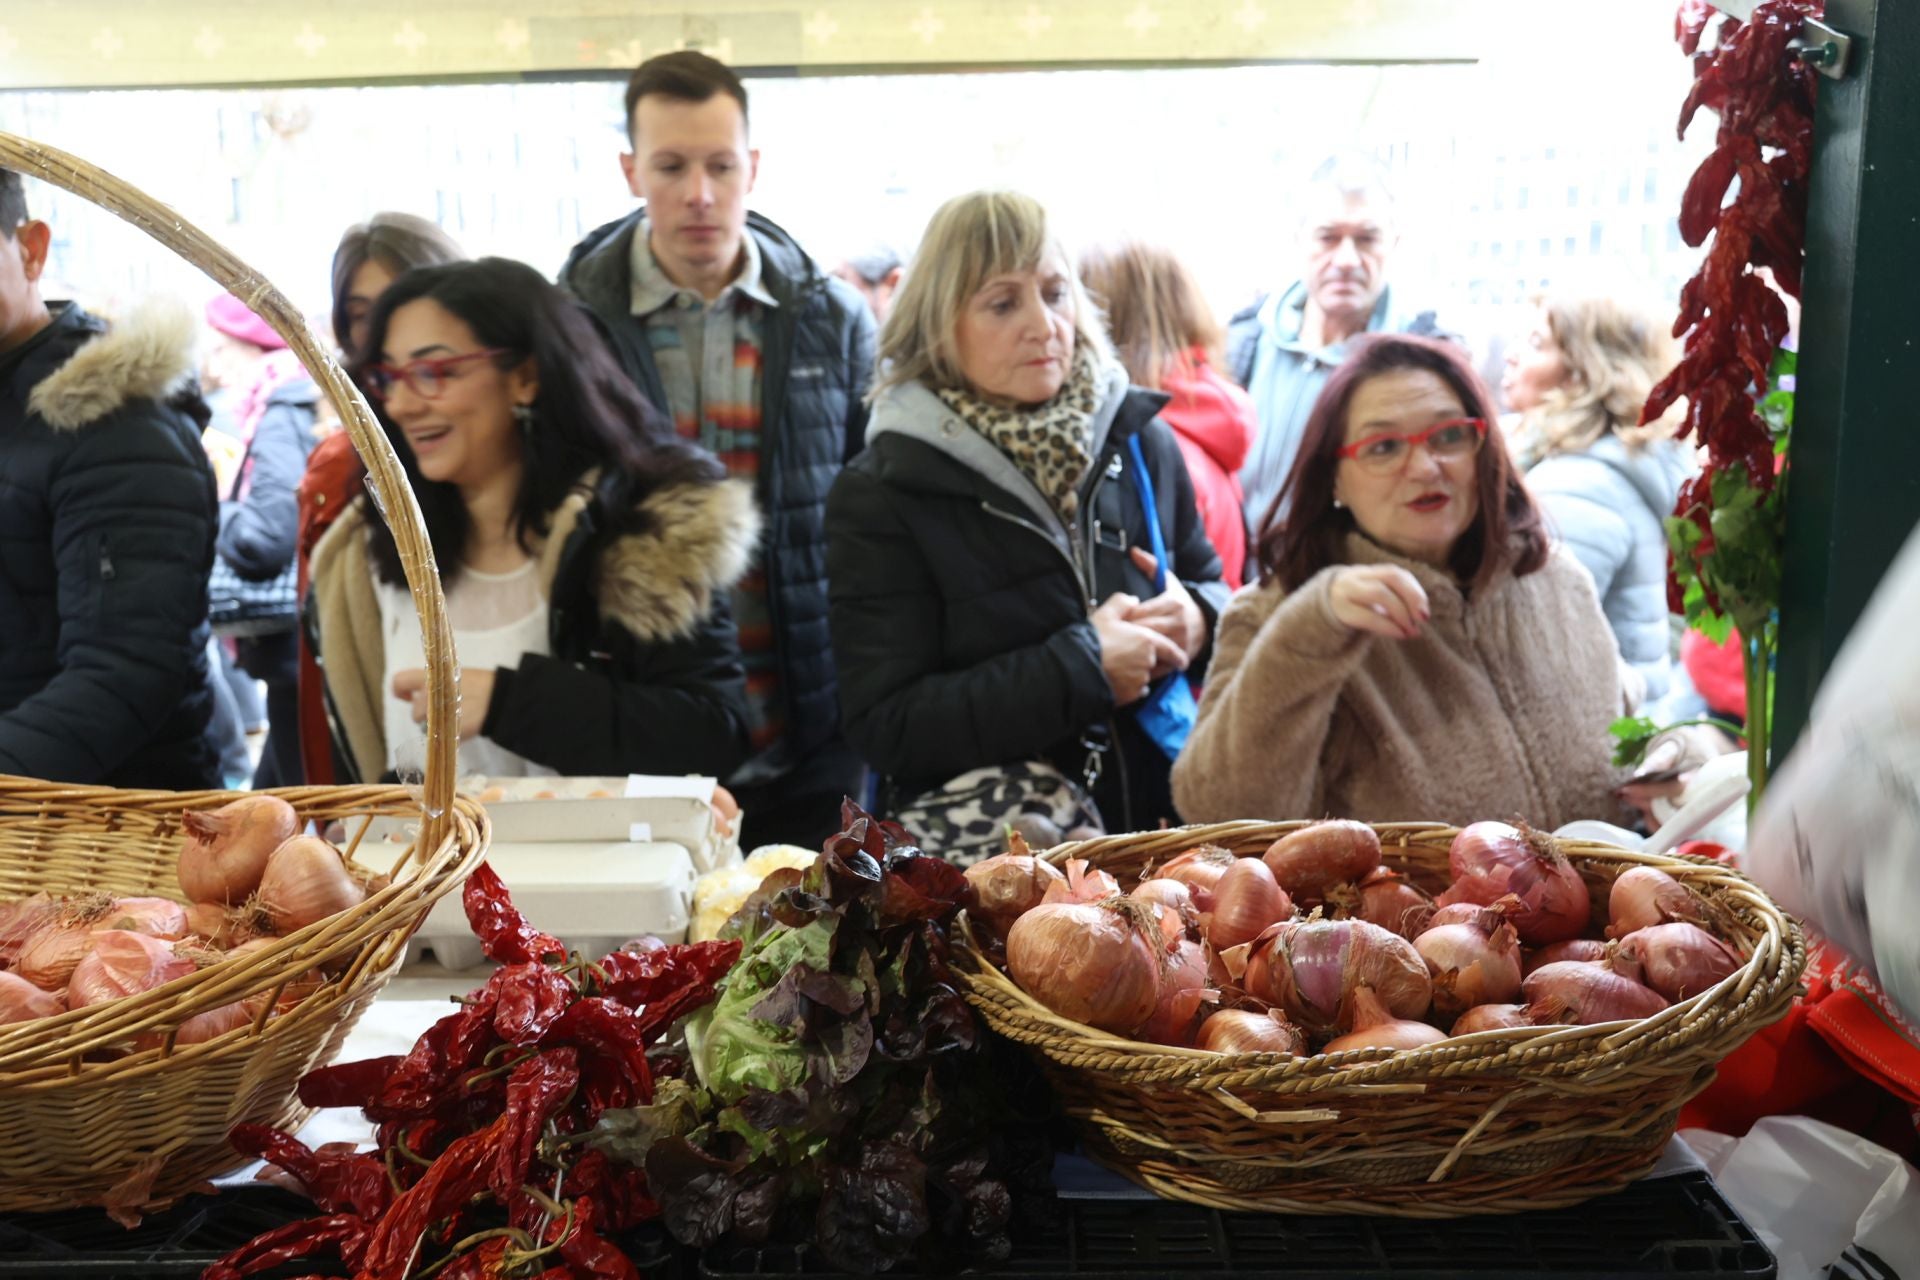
pixel 1824 49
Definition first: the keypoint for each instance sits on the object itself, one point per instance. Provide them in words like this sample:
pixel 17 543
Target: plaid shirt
pixel 709 355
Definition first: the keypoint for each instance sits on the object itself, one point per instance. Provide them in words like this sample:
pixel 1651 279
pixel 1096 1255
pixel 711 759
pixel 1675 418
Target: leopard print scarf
pixel 1052 442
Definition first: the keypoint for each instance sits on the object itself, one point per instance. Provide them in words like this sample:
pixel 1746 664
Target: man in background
pixel 726 324
pixel 107 521
pixel 1283 346
pixel 875 274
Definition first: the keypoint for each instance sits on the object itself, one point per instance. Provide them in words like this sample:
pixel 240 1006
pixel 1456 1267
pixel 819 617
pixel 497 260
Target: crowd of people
pixel 990 531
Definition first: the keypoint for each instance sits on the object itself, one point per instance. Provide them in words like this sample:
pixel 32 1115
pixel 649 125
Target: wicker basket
pixel 82 1118
pixel 1498 1122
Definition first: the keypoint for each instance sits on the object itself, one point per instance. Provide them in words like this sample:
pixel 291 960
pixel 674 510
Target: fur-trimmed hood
pixel 147 356
pixel 659 582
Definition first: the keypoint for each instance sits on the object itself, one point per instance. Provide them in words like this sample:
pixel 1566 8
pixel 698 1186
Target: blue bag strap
pixel 1144 483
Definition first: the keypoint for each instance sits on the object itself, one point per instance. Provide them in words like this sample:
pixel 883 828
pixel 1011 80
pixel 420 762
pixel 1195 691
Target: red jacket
pixel 1213 421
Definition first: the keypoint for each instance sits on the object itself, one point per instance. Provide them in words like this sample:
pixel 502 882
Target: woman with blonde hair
pixel 1009 642
pixel 1169 341
pixel 1606 483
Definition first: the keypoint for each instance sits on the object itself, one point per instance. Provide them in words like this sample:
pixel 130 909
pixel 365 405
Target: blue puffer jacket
pixel 107 516
pixel 1607 504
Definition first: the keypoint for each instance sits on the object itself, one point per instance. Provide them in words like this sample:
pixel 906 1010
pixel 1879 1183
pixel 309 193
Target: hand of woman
pixel 1380 599
pixel 1129 652
pixel 1172 613
pixel 476 695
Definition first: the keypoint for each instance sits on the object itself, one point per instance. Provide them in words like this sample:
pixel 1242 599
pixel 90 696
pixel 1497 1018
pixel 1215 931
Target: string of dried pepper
pixel 473 1173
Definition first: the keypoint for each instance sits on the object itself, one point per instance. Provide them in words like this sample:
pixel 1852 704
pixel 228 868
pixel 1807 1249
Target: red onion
pixel 1096 963
pixel 1492 859
pixel 1678 960
pixel 1082 884
pixel 1472 912
pixel 1308 863
pixel 48 956
pixel 1241 1031
pixel 1473 963
pixel 227 848
pixel 1008 886
pixel 20 920
pixel 21 1001
pixel 1199 869
pixel 1245 902
pixel 1174 900
pixel 1644 896
pixel 1571 992
pixel 123 964
pixel 1587 949
pixel 1177 1017
pixel 1491 1017
pixel 157 917
pixel 1310 968
pixel 1375 1027
pixel 1388 899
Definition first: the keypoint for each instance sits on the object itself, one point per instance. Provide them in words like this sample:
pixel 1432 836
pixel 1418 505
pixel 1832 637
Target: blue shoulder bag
pixel 1167 712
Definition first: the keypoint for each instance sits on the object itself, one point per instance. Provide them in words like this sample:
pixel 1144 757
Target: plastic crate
pixel 1676 1226
pixel 198 1231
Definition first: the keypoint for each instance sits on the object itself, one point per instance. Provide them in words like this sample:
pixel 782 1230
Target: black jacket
pixel 645 673
pixel 107 517
pixel 960 619
pixel 818 365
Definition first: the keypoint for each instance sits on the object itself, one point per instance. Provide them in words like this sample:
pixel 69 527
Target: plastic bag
pixel 1835 835
pixel 1819 1197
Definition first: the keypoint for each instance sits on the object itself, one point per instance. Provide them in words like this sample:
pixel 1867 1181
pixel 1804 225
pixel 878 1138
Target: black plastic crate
pixel 198 1231
pixel 1677 1226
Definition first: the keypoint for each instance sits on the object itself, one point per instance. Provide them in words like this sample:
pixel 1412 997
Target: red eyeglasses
pixel 1387 452
pixel 425 378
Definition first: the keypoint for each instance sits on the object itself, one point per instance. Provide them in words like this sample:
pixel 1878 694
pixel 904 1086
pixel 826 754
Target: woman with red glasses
pixel 585 550
pixel 1415 648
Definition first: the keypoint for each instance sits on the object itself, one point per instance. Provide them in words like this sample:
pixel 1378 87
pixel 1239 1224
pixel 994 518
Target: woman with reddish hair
pixel 1415 647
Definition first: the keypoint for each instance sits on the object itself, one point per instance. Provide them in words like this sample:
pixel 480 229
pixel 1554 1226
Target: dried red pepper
pixel 530 998
pixel 504 933
pixel 337 1181
pixel 343 1234
pixel 538 1091
pixel 455 1178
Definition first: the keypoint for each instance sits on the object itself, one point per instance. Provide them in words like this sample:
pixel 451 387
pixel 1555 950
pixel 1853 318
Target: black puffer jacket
pixel 644 674
pixel 818 365
pixel 107 518
pixel 960 618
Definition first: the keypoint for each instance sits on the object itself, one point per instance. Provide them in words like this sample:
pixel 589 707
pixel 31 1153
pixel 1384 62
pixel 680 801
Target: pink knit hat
pixel 232 317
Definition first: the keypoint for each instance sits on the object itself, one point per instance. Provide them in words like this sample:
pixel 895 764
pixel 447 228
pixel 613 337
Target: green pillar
pixel 1855 493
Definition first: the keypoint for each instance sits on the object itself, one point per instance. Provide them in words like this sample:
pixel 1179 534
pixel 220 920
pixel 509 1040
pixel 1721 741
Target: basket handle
pixel 393 496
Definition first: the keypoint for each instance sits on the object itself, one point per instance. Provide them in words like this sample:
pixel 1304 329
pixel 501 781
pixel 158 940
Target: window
pixel 1596 236
pixel 1569 249
pixel 1546 246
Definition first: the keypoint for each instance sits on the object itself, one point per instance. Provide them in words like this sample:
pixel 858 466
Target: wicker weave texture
pixel 1498 1122
pixel 99 1104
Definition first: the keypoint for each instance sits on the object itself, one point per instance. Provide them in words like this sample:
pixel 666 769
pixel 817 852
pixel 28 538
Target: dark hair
pixel 1508 534
pixel 686 74
pixel 13 202
pixel 399 242
pixel 587 413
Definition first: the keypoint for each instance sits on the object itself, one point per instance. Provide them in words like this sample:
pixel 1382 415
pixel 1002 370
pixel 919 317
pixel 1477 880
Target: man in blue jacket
pixel 1282 348
pixel 107 520
pixel 726 324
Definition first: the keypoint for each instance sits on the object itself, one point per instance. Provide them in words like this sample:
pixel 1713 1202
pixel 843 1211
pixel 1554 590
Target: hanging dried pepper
pixel 342 1234
pixel 339 1182
pixel 504 933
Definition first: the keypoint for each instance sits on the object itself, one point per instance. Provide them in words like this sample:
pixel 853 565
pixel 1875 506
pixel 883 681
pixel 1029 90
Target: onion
pixel 1096 963
pixel 1587 949
pixel 123 964
pixel 1310 968
pixel 1385 898
pixel 306 881
pixel 1177 1017
pixel 1007 886
pixel 222 927
pixel 1472 963
pixel 1309 862
pixel 1472 912
pixel 1375 1027
pixel 1239 1031
pixel 1081 884
pixel 1572 992
pixel 227 848
pixel 21 1001
pixel 157 917
pixel 1173 900
pixel 1491 1017
pixel 20 920
pixel 1199 869
pixel 48 956
pixel 1678 960
pixel 1644 896
pixel 1492 859
pixel 1245 902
